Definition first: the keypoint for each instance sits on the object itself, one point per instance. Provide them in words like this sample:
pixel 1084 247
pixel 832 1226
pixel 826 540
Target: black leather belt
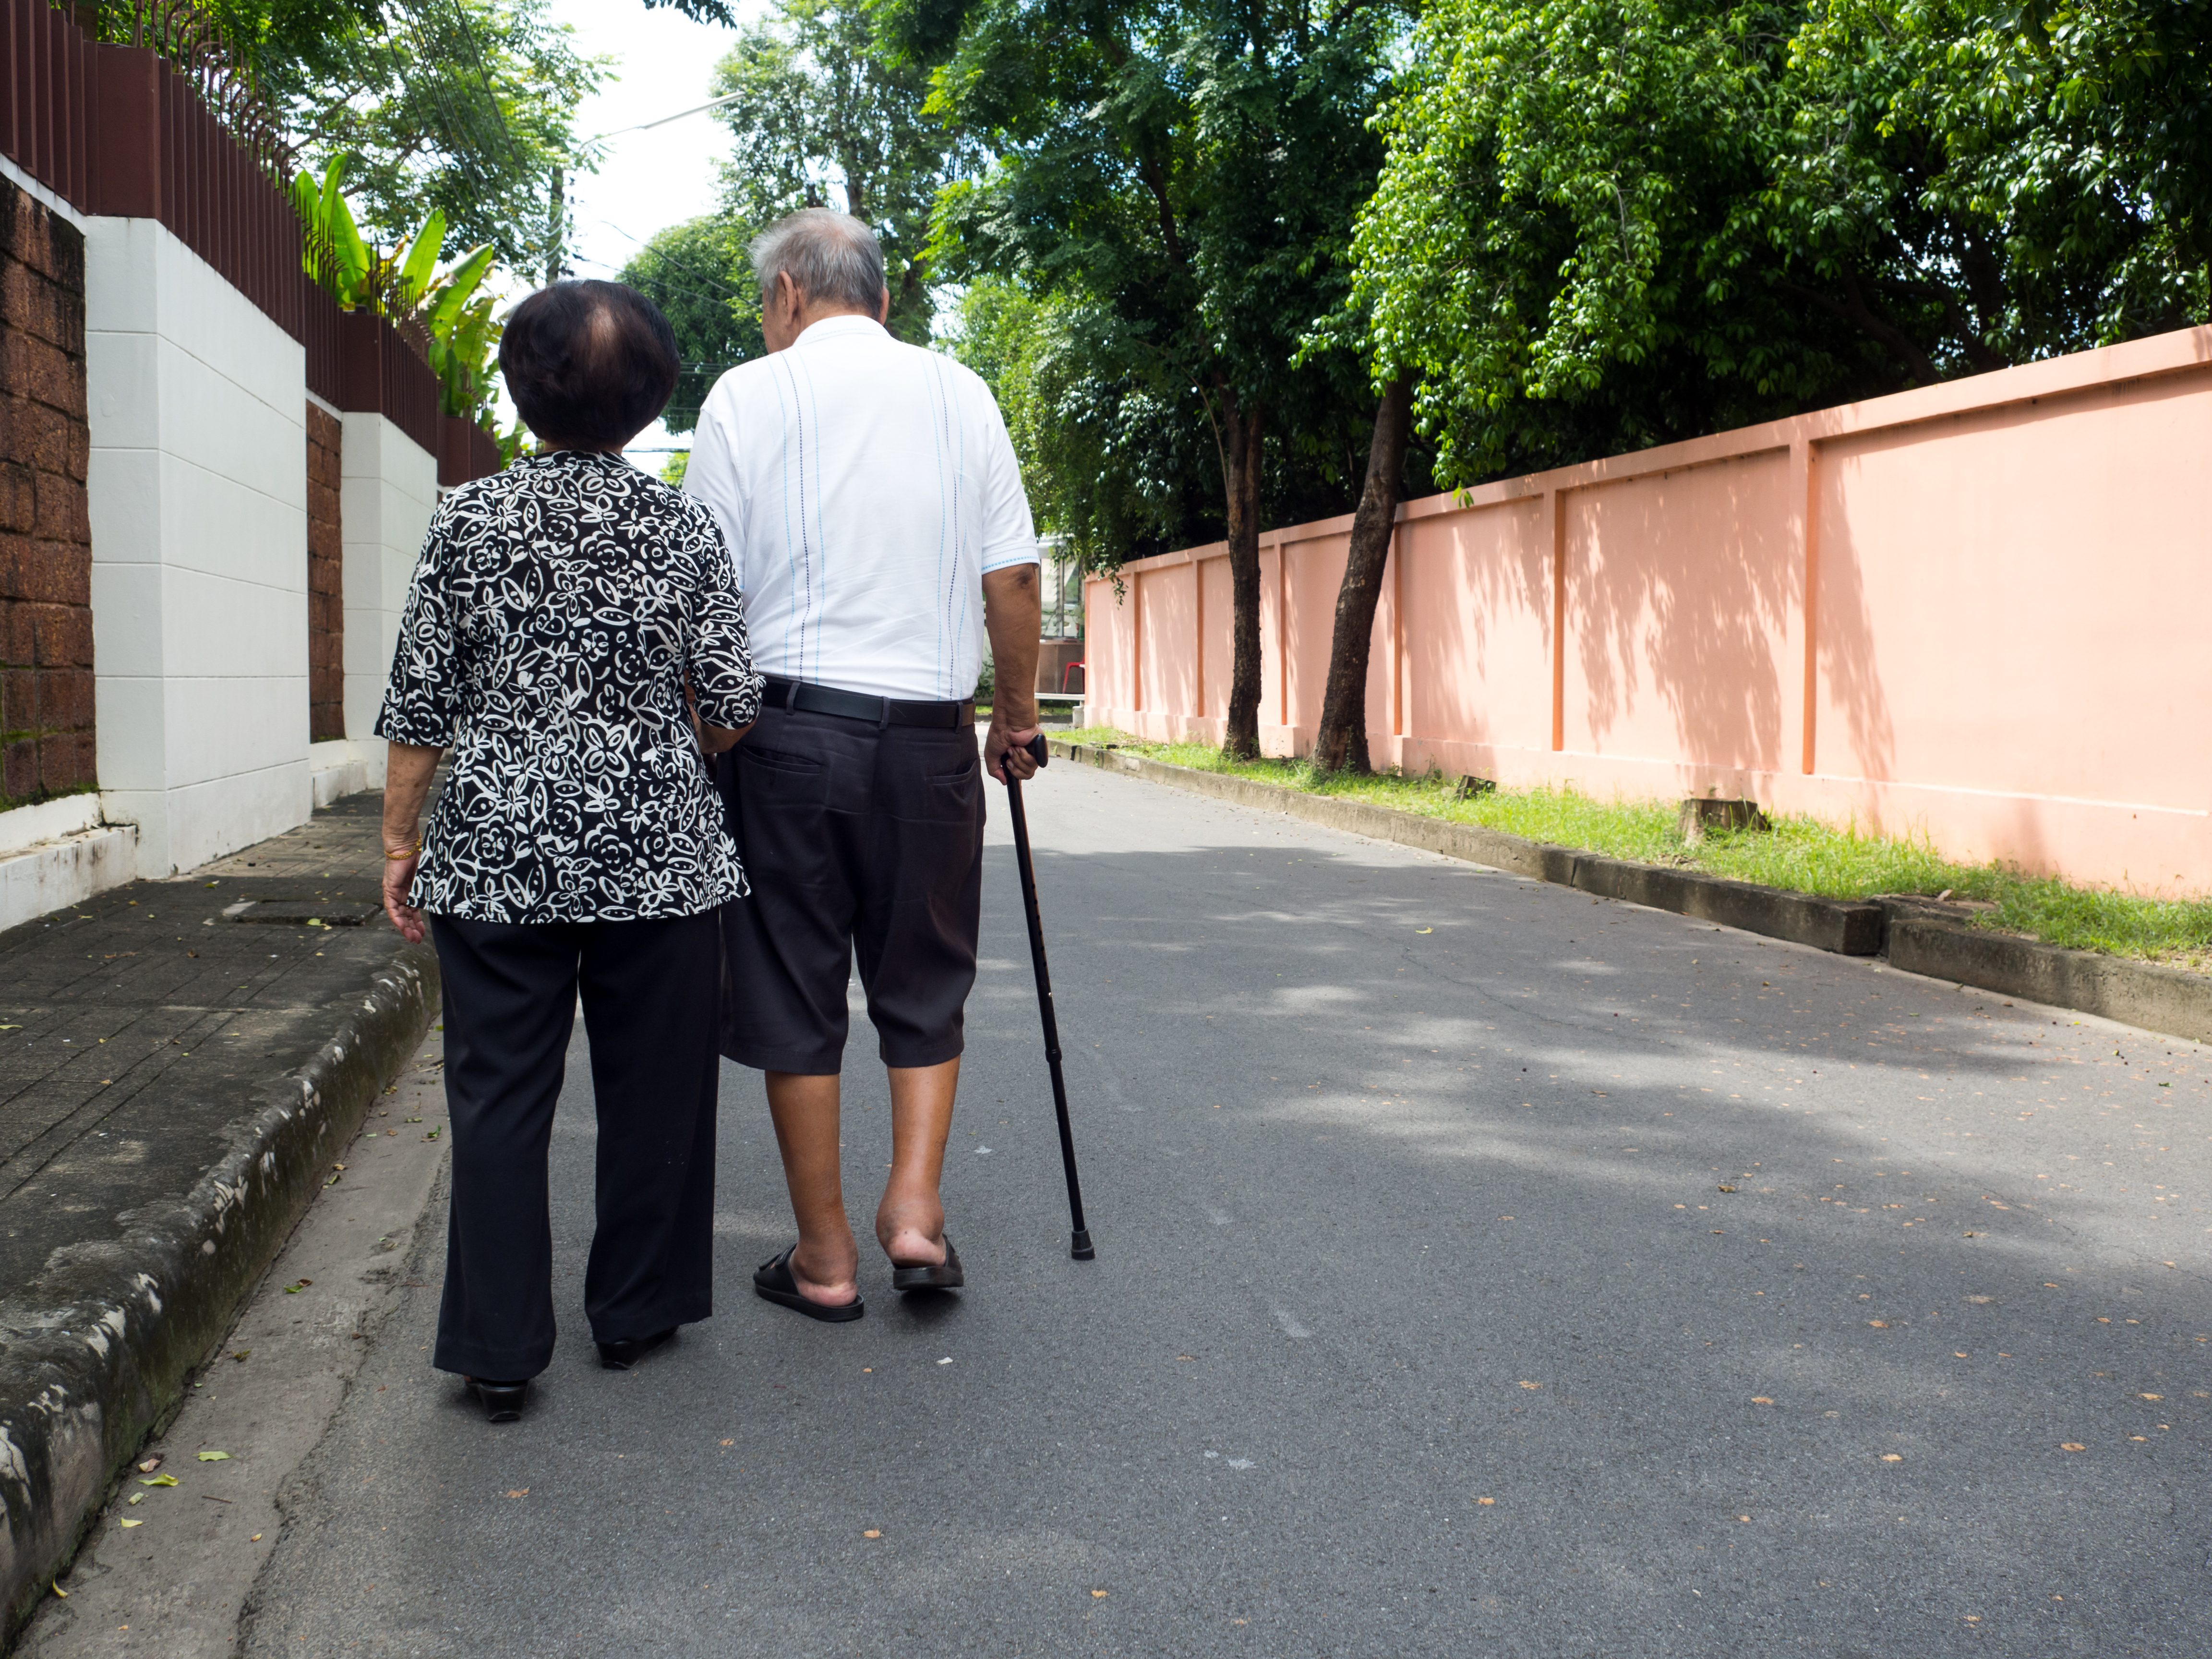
pixel 856 706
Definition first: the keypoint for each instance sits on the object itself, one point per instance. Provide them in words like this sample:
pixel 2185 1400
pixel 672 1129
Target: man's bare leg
pixel 826 1264
pixel 910 1221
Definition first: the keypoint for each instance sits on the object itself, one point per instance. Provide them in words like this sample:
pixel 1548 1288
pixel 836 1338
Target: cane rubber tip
pixel 1079 1246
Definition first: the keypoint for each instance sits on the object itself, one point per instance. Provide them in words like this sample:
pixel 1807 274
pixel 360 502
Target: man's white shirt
pixel 865 487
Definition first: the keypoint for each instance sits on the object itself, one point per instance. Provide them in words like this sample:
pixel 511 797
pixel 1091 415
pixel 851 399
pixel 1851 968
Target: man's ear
pixel 884 311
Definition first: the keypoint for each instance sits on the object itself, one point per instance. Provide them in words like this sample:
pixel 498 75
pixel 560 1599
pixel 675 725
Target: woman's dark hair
pixel 588 362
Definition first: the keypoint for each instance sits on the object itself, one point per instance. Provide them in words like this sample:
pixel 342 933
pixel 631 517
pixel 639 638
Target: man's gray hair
pixel 831 257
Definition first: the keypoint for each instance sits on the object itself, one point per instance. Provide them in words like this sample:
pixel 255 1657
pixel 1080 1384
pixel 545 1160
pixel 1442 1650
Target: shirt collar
pixel 838 327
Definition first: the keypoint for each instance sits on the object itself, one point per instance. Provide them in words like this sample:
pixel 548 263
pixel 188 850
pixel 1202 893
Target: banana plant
pixel 406 283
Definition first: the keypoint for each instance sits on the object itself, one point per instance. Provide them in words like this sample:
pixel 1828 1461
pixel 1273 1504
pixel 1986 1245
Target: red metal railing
pixel 45 97
pixel 465 452
pixel 160 152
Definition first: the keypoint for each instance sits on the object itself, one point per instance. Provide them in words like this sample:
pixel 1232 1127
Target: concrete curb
pixel 2135 993
pixel 104 1358
pixel 2143 994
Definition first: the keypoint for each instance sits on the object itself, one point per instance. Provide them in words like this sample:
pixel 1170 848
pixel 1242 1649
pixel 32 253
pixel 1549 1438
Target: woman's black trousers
pixel 650 992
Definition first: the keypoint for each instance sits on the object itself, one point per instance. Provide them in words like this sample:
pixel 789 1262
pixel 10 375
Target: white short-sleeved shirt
pixel 864 486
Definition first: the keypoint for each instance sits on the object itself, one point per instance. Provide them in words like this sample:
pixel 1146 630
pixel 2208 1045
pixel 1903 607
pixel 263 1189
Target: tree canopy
pixel 464 107
pixel 1604 224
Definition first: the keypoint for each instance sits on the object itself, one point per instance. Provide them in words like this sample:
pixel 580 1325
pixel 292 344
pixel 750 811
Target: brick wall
pixel 325 580
pixel 45 534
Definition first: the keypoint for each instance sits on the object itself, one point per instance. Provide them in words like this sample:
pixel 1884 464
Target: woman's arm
pixel 408 769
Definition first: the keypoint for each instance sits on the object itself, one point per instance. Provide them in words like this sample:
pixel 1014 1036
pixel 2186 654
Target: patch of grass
pixel 1801 854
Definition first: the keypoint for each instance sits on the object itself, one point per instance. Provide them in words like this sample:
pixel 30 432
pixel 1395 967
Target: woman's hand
pixel 408 770
pixel 399 878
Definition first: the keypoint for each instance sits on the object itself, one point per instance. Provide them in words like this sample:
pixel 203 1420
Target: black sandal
pixel 943 1275
pixel 772 1280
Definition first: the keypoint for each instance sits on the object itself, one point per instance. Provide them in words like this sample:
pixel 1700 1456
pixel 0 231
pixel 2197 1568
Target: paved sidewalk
pixel 136 1023
pixel 178 1061
pixel 1483 1268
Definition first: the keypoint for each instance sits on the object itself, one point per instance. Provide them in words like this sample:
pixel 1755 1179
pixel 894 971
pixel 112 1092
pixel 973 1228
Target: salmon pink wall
pixel 1973 612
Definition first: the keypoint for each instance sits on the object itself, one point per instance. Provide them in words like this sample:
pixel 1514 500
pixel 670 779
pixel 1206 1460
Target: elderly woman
pixel 573 636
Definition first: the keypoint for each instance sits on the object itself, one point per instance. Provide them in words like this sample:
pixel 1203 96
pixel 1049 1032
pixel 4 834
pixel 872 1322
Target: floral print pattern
pixel 557 613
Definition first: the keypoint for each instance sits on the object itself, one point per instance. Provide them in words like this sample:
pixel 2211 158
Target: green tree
pixel 822 118
pixel 1179 178
pixel 1605 224
pixel 460 106
pixel 1112 463
pixel 697 272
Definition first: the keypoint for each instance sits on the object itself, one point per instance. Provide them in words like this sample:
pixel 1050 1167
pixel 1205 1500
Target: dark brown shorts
pixel 854 839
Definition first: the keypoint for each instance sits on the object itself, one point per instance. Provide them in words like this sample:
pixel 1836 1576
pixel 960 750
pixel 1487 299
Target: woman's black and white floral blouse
pixel 558 611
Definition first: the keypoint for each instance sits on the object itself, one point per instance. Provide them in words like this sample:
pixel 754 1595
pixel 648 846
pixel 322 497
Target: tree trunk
pixel 1240 479
pixel 1341 744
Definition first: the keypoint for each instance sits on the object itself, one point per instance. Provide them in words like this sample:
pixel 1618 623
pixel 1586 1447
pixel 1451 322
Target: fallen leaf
pixel 520 1491
pixel 255 1538
pixel 214 1457
pixel 160 1480
pixel 1098 1595
pixel 1486 1502
pixel 129 1523
pixel 150 1464
pixel 1879 1324
pixel 2152 1396
pixel 137 1498
pixel 59 1591
pixel 1724 1189
pixel 1760 1399
pixel 1531 1385
pixel 2071 1445
pixel 242 1355
pixel 729 1442
pixel 1892 1457
pixel 1418 930
pixel 1743 1517
pixel 872 1532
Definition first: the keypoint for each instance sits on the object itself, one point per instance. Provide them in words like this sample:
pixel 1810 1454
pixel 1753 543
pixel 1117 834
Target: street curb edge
pixel 97 1356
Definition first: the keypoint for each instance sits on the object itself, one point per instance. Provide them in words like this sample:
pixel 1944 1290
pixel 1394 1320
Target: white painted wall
pixel 390 489
pixel 198 486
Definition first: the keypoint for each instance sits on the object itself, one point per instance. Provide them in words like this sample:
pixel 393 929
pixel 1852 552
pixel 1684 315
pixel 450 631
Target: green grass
pixel 1801 854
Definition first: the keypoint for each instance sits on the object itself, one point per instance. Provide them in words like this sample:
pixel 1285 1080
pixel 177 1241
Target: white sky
pixel 646 180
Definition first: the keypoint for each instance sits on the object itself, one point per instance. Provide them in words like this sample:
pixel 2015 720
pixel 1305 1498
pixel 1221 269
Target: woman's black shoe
pixel 620 1356
pixel 502 1401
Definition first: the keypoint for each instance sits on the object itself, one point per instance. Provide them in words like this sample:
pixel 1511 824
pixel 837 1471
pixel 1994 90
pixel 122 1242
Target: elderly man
pixel 872 500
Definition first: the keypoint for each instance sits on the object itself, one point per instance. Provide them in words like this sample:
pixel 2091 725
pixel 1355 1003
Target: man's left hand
pixel 1005 753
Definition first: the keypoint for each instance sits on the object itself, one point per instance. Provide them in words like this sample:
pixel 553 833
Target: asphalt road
pixel 1482 1268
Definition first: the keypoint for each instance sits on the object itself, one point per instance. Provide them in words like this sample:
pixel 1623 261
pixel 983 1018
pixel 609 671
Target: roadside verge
pixel 1915 936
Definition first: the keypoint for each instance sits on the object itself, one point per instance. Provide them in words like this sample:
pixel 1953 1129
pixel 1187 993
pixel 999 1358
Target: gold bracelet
pixel 409 852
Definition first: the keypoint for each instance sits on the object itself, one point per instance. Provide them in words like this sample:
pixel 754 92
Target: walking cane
pixel 1079 1243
